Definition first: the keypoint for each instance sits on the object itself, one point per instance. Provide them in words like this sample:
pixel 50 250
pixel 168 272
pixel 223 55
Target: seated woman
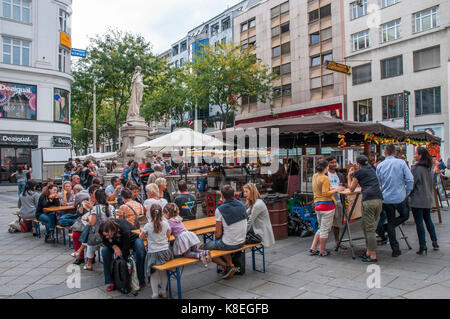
pixel 163 192
pixel 67 197
pixel 118 240
pixel 259 220
pixel 153 198
pixel 28 202
pixel 48 198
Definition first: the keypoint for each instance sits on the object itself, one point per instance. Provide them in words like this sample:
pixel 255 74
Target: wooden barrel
pixel 277 208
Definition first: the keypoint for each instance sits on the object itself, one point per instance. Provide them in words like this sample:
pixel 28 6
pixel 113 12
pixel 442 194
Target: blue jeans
pixel 383 219
pixel 67 220
pixel 21 187
pixel 84 235
pixel 421 215
pixel 393 221
pixel 107 255
pixel 49 220
pixel 219 245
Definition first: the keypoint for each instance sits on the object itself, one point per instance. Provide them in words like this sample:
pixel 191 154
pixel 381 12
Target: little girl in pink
pixel 186 242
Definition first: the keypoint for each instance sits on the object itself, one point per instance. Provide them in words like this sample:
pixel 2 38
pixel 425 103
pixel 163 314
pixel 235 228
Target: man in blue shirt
pixel 396 183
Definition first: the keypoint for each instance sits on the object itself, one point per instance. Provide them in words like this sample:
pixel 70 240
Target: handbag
pixel 94 238
pixel 140 220
pixel 134 281
pixel 253 238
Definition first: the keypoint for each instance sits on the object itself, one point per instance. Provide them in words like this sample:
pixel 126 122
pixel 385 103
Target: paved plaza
pixel 29 268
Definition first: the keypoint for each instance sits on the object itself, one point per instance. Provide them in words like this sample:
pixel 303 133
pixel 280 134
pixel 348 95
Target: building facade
pixel 35 79
pixel 296 39
pixel 395 46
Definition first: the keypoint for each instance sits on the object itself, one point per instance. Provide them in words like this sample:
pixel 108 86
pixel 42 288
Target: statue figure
pixel 137 91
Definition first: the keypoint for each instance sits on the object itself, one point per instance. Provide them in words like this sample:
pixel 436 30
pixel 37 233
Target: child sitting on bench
pixel 186 242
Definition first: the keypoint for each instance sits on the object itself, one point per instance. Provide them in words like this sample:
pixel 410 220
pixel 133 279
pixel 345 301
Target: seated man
pixel 130 209
pixel 231 229
pixel 186 202
pixel 113 191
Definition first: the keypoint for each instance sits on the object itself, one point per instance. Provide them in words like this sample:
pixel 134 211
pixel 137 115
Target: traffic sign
pixel 78 52
pixel 331 65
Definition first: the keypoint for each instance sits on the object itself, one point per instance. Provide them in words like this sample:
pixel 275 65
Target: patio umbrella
pixel 181 139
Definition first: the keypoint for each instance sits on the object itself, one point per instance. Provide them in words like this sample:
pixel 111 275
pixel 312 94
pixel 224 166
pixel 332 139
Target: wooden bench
pixel 63 230
pixel 34 222
pixel 174 268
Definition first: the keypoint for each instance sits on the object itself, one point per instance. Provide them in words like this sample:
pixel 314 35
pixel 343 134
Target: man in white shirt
pixel 231 229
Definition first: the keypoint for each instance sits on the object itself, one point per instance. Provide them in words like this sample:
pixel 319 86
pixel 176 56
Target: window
pixel 362 74
pixel 183 46
pixel 215 29
pixel 226 24
pixel 176 63
pixel 314 38
pixel 428 101
pixel 275 31
pixel 427 59
pixel 283 8
pixel 390 31
pixel 18 101
pixel 223 41
pixel 62 106
pixel 327 57
pixel 181 62
pixel 387 3
pixel 244 27
pixel 392 67
pixel 286 90
pixel 175 50
pixel 392 106
pixel 325 11
pixel 63 59
pixel 315 60
pixel 361 40
pixel 244 44
pixel 286 48
pixel 277 70
pixel 326 34
pixel 276 51
pixel 316 83
pixel 363 110
pixel 327 80
pixel 425 20
pixel 16 52
pixel 64 21
pixel 277 92
pixel 252 41
pixel 359 8
pixel 286 68
pixel 313 15
pixel 18 10
pixel 275 12
pixel 285 27
pixel 252 23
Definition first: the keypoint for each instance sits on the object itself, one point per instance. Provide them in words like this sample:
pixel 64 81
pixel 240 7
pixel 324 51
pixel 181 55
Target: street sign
pixel 78 52
pixel 406 95
pixel 331 65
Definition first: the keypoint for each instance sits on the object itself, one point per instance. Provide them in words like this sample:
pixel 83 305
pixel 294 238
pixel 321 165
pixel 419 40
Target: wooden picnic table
pixel 194 225
pixel 66 208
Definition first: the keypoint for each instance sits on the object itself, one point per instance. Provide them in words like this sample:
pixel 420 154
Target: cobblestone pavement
pixel 29 268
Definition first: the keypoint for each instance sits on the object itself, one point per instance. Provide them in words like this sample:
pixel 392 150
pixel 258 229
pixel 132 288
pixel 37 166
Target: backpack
pixel 125 174
pixel 121 275
pixel 140 220
pixel 83 177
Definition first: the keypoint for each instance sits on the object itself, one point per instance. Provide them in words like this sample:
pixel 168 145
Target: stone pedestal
pixel 134 132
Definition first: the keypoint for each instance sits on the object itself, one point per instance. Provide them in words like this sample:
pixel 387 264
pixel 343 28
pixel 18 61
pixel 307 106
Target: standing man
pixel 68 169
pixel 89 173
pixel 336 180
pixel 396 183
pixel 142 165
pixel 157 174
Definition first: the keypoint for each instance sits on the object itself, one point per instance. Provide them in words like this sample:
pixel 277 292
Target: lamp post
pixel 95 119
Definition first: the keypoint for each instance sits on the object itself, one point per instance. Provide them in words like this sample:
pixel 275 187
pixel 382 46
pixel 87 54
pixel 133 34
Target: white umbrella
pixel 98 156
pixel 181 139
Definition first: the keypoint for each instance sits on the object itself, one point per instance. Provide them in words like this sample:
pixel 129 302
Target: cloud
pixel 160 22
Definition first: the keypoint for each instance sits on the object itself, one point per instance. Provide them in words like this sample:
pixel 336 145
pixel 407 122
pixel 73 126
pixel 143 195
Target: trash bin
pixel 277 207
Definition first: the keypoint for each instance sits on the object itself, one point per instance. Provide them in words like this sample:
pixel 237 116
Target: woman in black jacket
pixel 118 239
pixel 422 198
pixel 48 198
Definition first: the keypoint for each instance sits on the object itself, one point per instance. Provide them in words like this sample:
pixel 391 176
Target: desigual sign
pixel 61 141
pixel 19 140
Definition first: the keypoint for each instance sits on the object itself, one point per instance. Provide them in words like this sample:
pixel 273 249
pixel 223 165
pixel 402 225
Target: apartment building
pixel 296 39
pixel 35 79
pixel 395 46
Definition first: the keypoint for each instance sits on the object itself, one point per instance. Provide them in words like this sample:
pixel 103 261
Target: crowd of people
pixel 388 187
pixel 139 199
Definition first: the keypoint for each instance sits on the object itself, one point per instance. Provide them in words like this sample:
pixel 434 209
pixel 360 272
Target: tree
pixel 224 74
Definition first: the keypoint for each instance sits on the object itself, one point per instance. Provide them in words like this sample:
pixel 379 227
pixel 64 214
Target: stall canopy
pixel 327 125
pixel 181 139
pixel 98 156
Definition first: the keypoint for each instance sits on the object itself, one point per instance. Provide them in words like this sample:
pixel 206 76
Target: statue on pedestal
pixel 137 91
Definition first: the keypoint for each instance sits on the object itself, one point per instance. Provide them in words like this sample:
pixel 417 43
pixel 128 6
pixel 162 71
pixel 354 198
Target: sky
pixel 161 22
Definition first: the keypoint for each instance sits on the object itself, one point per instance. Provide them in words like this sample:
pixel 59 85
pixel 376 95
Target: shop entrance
pixel 10 159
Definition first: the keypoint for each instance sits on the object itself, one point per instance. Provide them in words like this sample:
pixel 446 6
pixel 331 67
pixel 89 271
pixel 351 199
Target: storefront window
pixel 12 158
pixel 62 106
pixel 18 101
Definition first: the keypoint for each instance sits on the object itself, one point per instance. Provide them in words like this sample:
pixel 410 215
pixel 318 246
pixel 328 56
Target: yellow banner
pixel 65 40
pixel 338 67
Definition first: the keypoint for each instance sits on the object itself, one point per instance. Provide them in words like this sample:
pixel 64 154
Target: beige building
pixel 296 39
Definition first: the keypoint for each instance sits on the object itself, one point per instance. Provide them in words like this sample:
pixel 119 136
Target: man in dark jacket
pixel 231 229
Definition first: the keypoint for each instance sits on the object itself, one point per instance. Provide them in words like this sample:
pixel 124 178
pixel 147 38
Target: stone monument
pixel 135 131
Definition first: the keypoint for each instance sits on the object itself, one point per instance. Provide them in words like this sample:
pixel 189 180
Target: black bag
pixel 252 238
pixel 84 177
pixel 238 260
pixel 121 276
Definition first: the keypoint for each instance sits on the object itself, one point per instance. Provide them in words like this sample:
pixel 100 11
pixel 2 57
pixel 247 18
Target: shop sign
pixel 65 40
pixel 18 140
pixel 62 141
pixel 331 65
